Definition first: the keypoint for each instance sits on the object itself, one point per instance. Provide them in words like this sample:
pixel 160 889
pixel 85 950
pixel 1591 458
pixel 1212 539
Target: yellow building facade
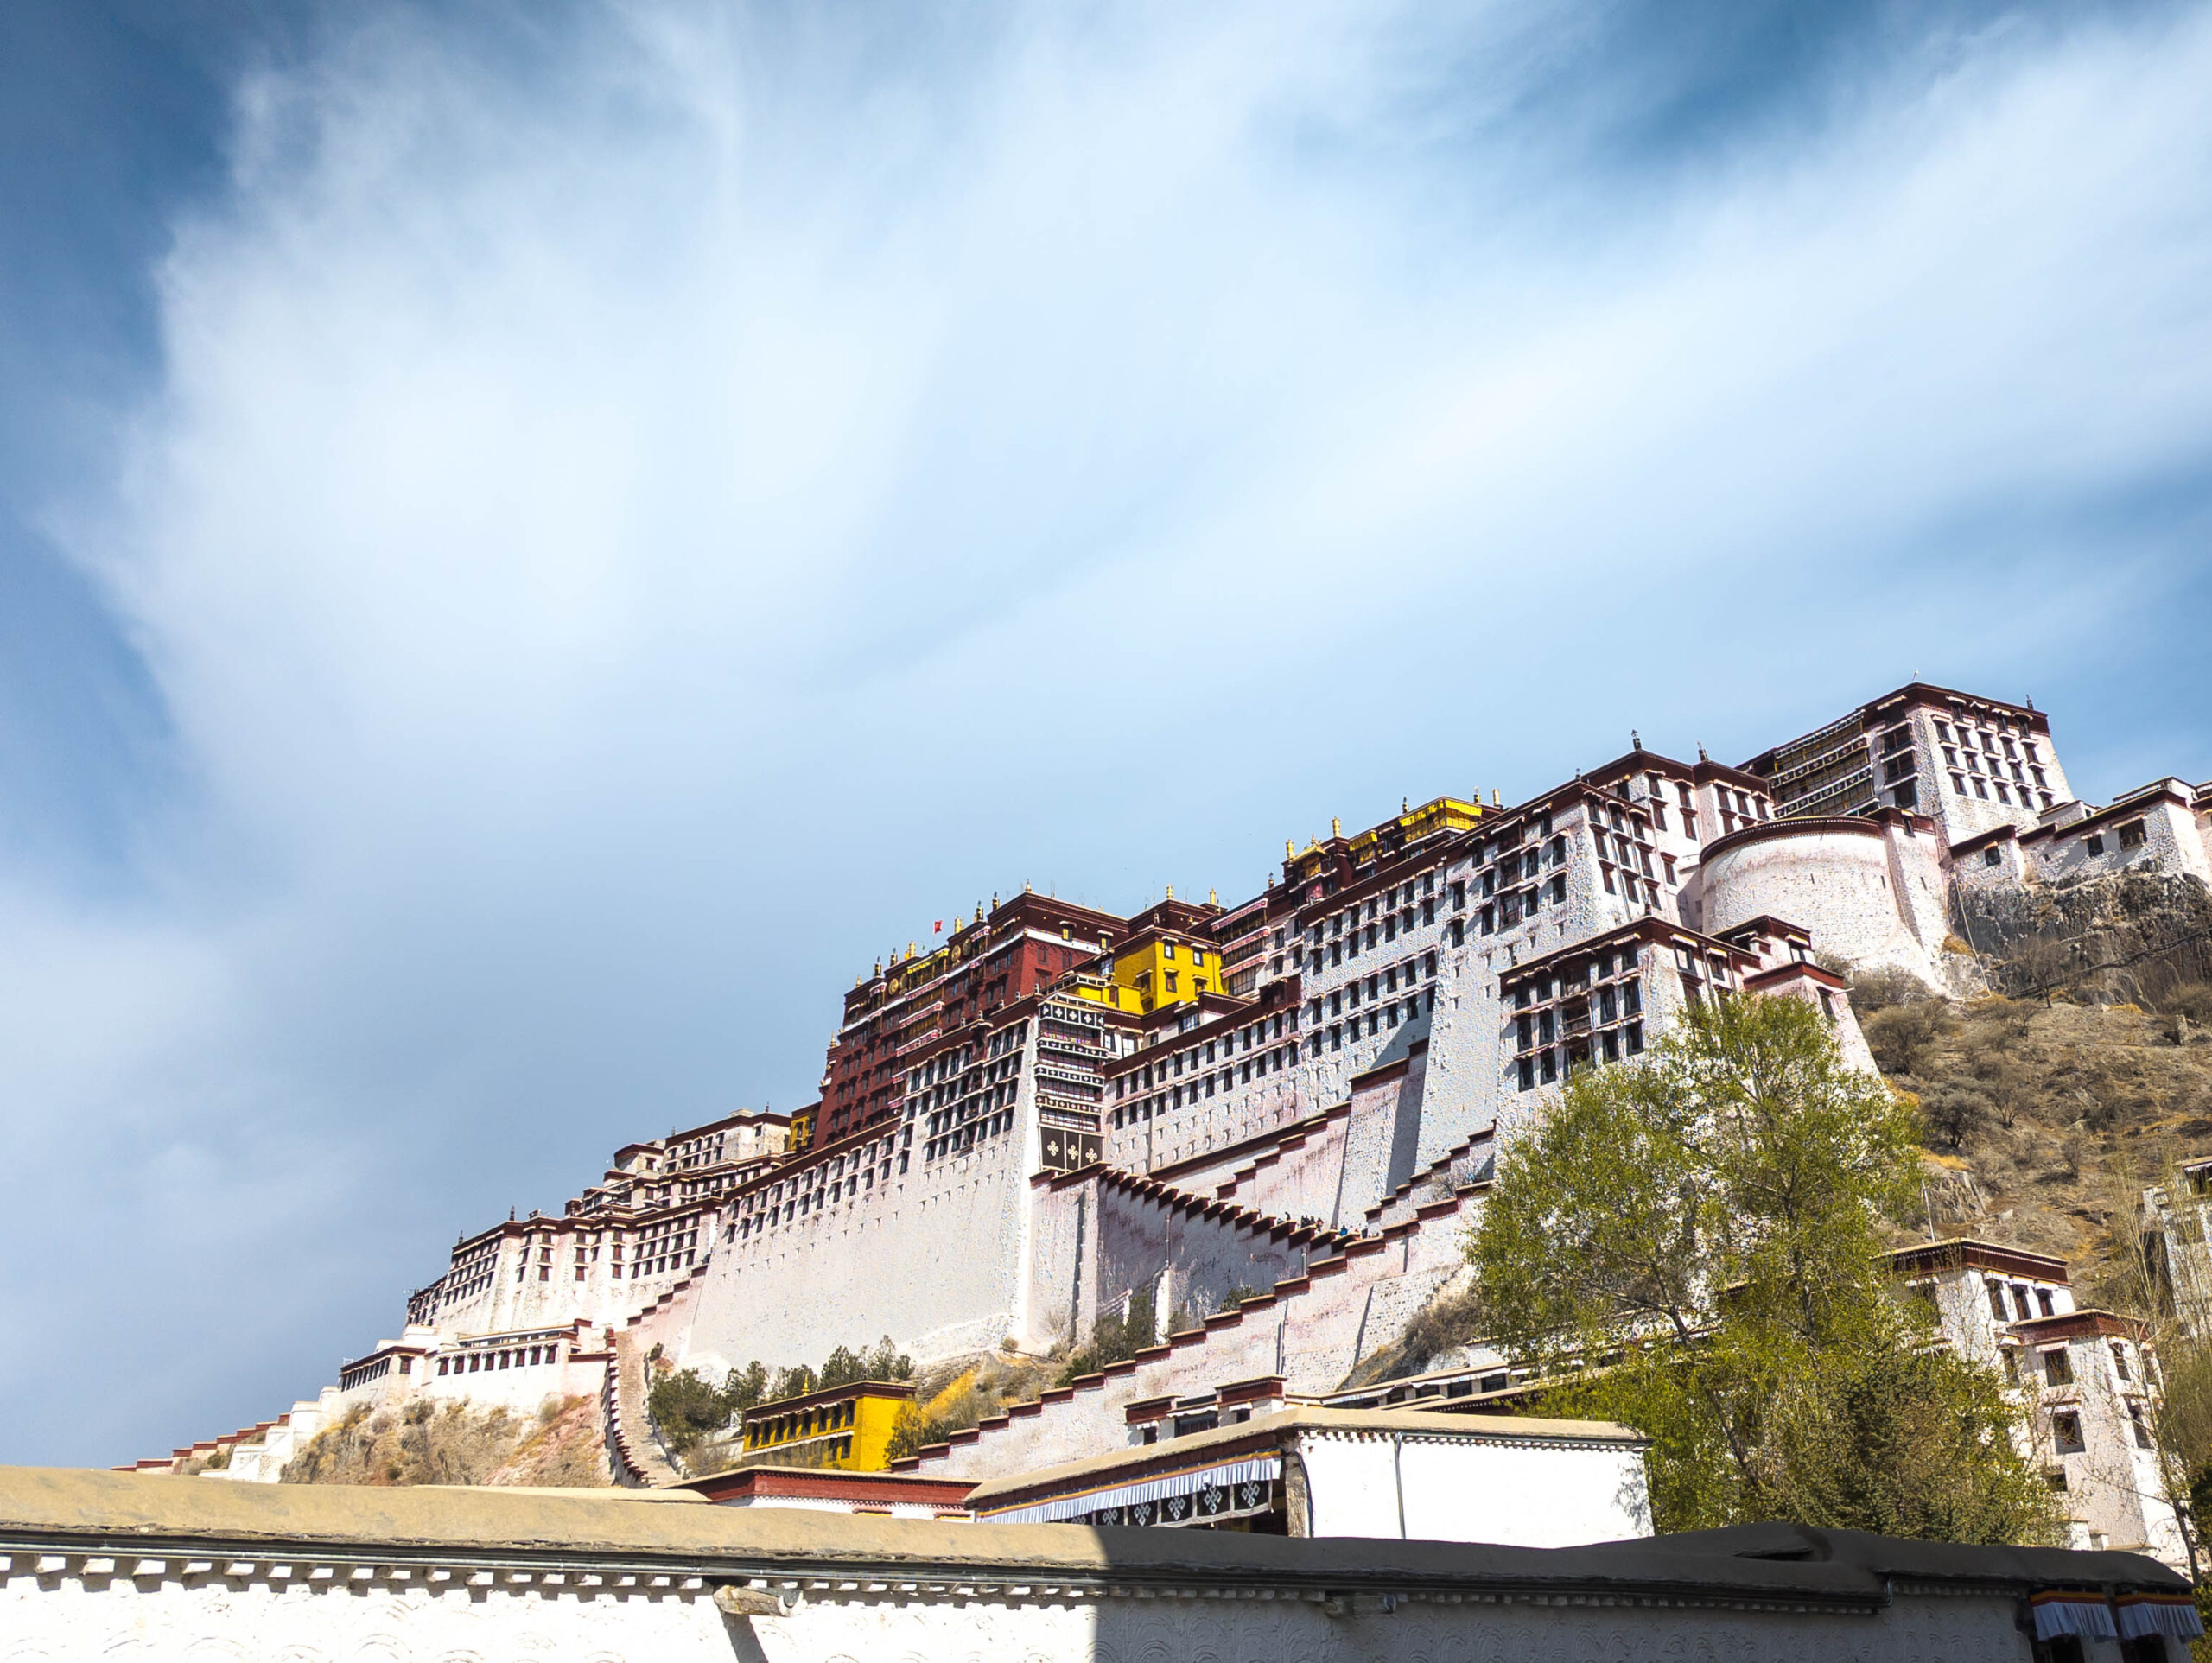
pixel 1156 969
pixel 847 1428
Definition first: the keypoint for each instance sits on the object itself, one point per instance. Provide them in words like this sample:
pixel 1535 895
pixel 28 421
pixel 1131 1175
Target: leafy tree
pixel 1691 1244
pixel 886 1362
pixel 686 1408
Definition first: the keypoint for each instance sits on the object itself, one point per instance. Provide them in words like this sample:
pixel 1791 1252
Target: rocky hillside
pixel 2047 1117
pixel 426 1443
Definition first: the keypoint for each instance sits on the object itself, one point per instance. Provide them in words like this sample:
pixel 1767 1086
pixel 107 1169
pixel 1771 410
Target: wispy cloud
pixel 644 512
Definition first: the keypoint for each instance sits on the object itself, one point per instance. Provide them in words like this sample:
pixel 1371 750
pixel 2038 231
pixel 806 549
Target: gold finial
pixel 1170 891
pixel 994 900
pixel 1495 801
pixel 1336 826
pixel 1212 898
pixel 1287 850
pixel 979 912
pixel 879 967
pixel 1024 886
pixel 1405 805
pixel 910 949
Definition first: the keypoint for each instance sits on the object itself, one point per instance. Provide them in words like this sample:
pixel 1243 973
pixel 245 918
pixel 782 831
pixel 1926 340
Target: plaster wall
pixel 1301 1177
pixel 2173 841
pixel 592 1612
pixel 1424 1489
pixel 1837 885
pixel 932 1258
pixel 1312 1330
pixel 1144 1239
pixel 521 1386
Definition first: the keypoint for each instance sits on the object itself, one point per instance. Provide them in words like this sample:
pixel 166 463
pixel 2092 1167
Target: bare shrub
pixel 1904 1037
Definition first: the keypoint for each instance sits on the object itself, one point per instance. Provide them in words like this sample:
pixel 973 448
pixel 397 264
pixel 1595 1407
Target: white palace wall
pixel 1869 894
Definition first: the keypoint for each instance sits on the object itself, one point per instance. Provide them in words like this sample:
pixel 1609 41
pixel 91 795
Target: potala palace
pixel 1277 1117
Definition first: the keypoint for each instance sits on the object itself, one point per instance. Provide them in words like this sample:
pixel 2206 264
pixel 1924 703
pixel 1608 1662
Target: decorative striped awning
pixel 2159 1614
pixel 1077 1504
pixel 2062 1612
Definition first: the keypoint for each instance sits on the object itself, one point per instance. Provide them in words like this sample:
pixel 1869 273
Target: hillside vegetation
pixel 561 1446
pixel 2045 1118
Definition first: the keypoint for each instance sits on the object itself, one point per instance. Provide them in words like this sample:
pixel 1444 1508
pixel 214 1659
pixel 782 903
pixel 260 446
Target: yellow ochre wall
pixel 866 1419
pixel 1146 968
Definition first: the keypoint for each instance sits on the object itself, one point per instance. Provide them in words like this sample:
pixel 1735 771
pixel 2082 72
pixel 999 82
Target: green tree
pixel 1691 1246
pixel 686 1408
pixel 885 1362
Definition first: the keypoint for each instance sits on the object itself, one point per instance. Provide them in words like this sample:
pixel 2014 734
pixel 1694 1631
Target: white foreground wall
pixel 67 1618
pixel 100 1565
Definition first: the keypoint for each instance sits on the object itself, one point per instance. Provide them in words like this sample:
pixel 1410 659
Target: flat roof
pixel 1268 1430
pixel 827 1484
pixel 64 1510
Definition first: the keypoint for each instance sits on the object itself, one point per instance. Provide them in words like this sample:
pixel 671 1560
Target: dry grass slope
pixel 2046 1120
pixel 426 1443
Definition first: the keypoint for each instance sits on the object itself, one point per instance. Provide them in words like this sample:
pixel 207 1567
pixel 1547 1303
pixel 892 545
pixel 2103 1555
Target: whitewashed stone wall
pixel 1312 1329
pixel 1866 892
pixel 306 1610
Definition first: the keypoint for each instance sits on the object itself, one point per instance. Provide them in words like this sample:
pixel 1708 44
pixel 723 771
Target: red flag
pixel 937 929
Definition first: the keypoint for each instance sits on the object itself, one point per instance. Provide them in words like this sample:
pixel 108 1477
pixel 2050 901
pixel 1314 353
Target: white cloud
pixel 627 537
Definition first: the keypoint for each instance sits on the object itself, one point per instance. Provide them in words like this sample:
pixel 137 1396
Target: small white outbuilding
pixel 1310 1471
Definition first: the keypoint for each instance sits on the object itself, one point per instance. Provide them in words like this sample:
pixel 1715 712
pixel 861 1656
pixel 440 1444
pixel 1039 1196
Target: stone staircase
pixel 633 1450
pixel 1311 1329
pixel 257 1454
pixel 1460 1171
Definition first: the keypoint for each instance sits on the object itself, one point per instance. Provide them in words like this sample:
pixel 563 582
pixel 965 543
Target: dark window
pixel 1991 856
pixel 2066 1428
pixel 2058 1370
pixel 2131 835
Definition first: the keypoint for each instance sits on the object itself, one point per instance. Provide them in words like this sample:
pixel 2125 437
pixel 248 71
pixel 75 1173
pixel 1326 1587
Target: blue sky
pixel 536 542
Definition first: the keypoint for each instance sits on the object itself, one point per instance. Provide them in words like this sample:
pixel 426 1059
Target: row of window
pixel 1240 1073
pixel 801 1423
pixel 2131 836
pixel 1543 1067
pixel 1606 1006
pixel 1397 899
pixel 1377 1021
pixel 957 1139
pixel 1378 984
pixel 1991 741
pixel 1193 1057
pixel 839 1178
pixel 1961 783
pixel 2021 1293
pixel 477 1362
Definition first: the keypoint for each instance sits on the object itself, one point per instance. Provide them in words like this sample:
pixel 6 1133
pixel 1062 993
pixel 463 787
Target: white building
pixel 2087 1378
pixel 1287 1159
